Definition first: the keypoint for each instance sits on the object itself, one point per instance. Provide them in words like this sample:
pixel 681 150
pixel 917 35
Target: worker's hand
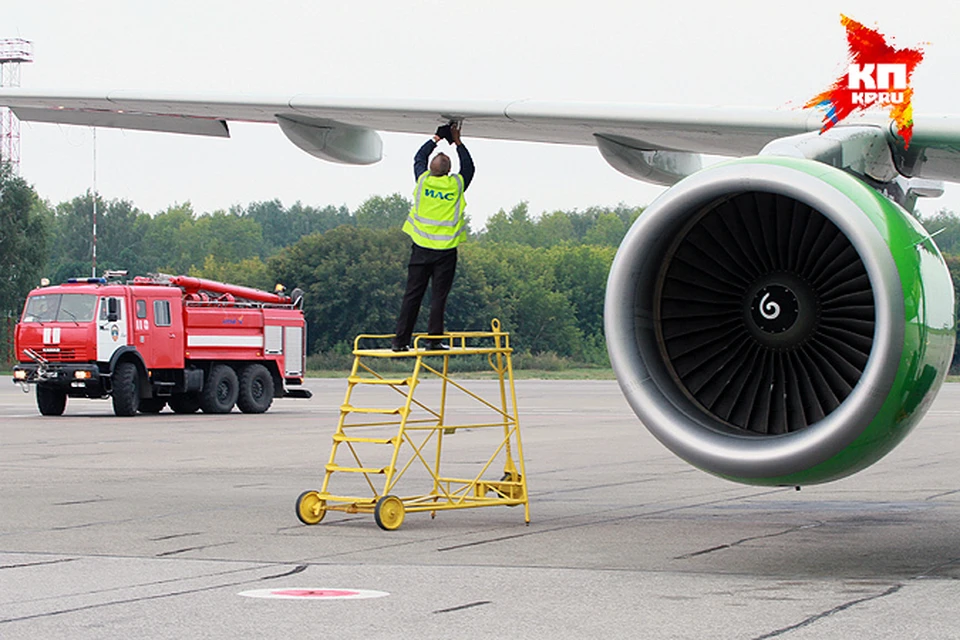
pixel 455 132
pixel 444 132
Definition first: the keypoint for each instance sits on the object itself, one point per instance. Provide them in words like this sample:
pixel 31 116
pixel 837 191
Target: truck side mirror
pixel 113 310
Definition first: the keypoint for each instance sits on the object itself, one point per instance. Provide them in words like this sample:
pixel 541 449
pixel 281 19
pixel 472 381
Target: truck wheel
pixel 51 402
pixel 152 405
pixel 185 402
pixel 220 390
pixel 256 389
pixel 126 389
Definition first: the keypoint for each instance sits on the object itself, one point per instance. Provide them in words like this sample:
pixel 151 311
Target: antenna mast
pixel 94 274
pixel 13 51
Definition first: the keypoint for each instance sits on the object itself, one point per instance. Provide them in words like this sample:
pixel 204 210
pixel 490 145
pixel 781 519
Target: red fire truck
pixel 159 340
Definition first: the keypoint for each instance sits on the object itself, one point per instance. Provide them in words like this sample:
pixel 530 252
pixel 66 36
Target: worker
pixel 436 225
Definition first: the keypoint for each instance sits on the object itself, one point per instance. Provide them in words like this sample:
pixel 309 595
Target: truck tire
pixel 256 389
pixel 126 389
pixel 185 402
pixel 51 401
pixel 220 390
pixel 152 405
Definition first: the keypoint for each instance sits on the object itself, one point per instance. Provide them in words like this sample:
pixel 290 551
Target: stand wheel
pixel 389 513
pixel 310 508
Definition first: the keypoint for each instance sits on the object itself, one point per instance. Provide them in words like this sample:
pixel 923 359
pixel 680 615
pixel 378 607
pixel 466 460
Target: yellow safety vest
pixel 436 220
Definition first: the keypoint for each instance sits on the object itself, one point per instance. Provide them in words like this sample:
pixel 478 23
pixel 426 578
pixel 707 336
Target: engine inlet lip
pixel 629 322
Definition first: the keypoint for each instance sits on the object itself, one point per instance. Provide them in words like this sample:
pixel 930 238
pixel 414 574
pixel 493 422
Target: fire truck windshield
pixel 57 307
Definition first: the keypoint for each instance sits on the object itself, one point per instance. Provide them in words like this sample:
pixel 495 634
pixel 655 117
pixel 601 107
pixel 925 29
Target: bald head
pixel 440 165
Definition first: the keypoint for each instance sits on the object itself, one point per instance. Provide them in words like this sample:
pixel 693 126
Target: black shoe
pixel 435 345
pixel 400 348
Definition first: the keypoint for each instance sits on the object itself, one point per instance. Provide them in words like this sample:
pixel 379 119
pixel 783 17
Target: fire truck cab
pixel 185 342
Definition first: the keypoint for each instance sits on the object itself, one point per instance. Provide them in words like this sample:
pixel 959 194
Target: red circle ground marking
pixel 315 593
pixel 320 593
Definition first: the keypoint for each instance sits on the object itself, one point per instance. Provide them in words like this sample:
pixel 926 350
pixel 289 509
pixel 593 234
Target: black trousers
pixel 426 264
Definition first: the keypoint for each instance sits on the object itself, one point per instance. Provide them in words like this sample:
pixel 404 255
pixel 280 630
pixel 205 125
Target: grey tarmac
pixel 150 527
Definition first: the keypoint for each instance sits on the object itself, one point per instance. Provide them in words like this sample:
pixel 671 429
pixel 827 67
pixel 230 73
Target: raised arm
pixel 423 155
pixel 467 168
pixel 466 165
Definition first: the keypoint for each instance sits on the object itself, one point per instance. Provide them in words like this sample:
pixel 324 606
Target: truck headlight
pixel 82 375
pixel 19 374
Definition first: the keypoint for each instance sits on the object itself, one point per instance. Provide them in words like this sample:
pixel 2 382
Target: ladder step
pixel 351 409
pixel 393 382
pixel 339 437
pixel 335 467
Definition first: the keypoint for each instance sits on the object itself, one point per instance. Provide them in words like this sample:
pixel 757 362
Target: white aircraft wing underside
pixel 934 151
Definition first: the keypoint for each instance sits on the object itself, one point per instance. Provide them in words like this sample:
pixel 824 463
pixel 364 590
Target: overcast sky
pixel 753 53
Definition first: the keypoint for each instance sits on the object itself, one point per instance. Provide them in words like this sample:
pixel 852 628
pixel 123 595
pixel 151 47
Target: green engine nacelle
pixel 776 321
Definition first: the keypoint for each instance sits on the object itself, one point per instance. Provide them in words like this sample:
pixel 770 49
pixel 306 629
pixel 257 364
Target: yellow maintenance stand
pixel 409 441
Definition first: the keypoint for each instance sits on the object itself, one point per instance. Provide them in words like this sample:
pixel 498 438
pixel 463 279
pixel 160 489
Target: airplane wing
pixel 658 143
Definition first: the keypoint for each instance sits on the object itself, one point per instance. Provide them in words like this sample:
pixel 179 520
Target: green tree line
pixel 543 277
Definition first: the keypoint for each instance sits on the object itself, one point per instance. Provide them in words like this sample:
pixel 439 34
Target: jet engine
pixel 778 321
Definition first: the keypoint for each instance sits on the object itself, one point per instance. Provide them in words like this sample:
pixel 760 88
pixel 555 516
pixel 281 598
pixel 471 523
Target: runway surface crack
pixel 826 614
pixel 470 605
pixel 175 535
pixel 36 564
pixel 151 583
pixel 164 554
pixel 300 568
pixel 940 495
pixel 487 541
pixel 92 524
pixel 101 605
pixel 721 547
pixel 929 573
pixel 608 520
